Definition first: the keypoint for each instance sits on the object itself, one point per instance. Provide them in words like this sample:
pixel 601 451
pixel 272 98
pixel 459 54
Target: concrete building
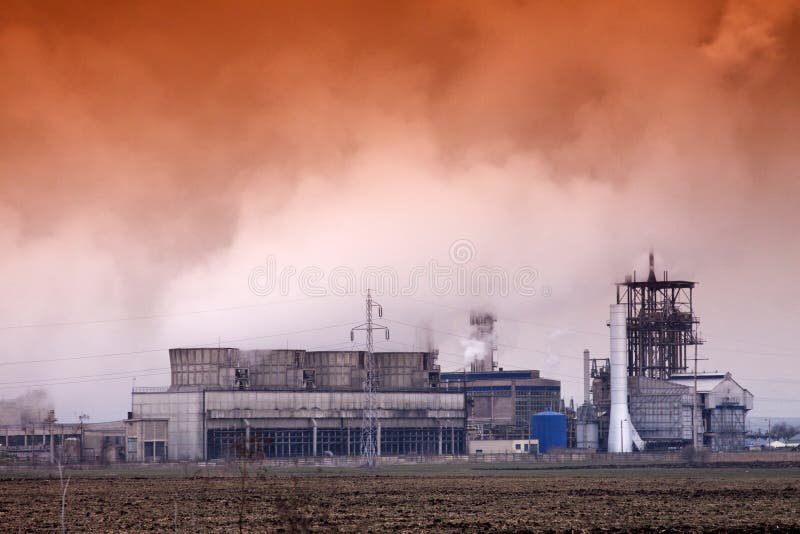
pixel 723 405
pixel 662 410
pixel 226 402
pixel 504 446
pixel 50 441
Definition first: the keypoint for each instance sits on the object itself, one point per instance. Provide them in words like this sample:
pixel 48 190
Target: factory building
pixel 68 443
pixel 499 403
pixel 226 402
pixel 723 406
pixel 644 394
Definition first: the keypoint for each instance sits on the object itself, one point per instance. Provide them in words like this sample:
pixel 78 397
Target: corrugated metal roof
pixel 705 383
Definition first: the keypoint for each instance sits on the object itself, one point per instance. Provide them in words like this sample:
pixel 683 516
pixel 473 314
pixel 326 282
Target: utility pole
pixel 369 423
pixel 51 418
pixel 694 403
pixel 696 418
pixel 82 417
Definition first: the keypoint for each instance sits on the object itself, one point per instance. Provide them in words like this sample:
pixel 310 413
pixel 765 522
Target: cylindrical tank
pixel 586 429
pixel 586 435
pixel 550 428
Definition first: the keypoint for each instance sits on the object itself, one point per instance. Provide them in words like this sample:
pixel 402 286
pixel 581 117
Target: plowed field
pixel 451 501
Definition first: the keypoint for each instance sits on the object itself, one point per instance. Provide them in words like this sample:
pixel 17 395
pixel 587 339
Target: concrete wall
pixel 184 412
pixel 306 405
pixel 198 368
pixel 187 426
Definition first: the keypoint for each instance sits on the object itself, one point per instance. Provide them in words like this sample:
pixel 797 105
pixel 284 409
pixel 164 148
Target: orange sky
pixel 152 152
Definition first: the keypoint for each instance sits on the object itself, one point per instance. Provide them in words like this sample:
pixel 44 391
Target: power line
pixel 577 379
pixel 153 316
pixel 774 399
pixel 50 384
pixel 444 332
pixel 605 335
pixel 540 351
pixel 128 373
pixel 160 349
pixel 37 382
pixel 511 320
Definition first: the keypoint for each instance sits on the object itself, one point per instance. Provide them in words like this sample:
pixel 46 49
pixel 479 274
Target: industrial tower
pixel 661 325
pixel 369 424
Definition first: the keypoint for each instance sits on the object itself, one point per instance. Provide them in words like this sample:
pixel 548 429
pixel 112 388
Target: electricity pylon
pixel 369 423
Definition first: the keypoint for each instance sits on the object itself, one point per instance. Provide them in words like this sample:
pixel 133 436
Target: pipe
pixel 619 427
pixel 314 437
pixel 246 436
pixel 439 422
pixel 586 376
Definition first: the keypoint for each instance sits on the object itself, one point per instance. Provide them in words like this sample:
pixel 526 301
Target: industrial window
pixel 517 446
pixel 309 378
pixel 241 378
pixel 160 452
pixel 132 445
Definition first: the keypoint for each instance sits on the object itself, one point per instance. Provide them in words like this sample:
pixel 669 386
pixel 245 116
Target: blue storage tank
pixel 550 428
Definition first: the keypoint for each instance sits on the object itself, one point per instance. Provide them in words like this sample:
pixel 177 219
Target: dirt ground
pixel 459 500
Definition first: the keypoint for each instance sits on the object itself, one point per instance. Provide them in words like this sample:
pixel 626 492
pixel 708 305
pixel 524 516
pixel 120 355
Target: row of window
pixel 272 443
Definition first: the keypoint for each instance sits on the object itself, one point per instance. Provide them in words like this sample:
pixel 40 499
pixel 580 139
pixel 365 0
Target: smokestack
pixel 652 276
pixel 586 376
pixel 482 339
pixel 619 425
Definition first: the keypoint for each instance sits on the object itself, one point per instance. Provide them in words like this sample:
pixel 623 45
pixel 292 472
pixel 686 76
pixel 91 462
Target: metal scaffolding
pixel 661 325
pixel 661 411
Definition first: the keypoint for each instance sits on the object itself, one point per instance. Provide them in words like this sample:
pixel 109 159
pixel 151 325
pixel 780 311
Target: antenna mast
pixel 369 423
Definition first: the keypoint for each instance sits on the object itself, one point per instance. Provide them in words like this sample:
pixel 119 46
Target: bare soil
pixel 463 500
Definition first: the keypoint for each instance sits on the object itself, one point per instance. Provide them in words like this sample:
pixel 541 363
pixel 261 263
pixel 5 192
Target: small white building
pixel 504 446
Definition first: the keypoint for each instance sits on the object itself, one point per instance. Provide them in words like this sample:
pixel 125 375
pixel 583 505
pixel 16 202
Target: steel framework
pixel 369 424
pixel 661 324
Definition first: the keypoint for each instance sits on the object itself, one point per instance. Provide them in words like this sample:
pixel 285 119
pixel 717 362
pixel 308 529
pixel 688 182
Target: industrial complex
pixel 648 393
pixel 227 403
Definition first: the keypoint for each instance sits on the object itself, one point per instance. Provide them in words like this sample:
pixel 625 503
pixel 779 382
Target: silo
pixel 586 431
pixel 550 428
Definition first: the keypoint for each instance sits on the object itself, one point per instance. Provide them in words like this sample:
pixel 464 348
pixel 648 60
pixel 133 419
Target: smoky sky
pixel 153 153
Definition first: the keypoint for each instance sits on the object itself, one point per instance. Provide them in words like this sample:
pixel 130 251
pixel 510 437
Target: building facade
pixel 226 403
pixel 500 404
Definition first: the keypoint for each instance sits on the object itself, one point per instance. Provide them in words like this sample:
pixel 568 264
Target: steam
pixel 146 167
pixel 30 407
pixel 473 350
